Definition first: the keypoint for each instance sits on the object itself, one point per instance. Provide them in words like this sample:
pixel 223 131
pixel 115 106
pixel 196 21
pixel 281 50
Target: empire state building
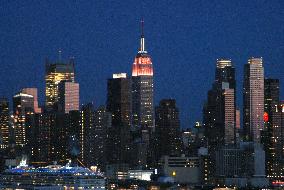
pixel 142 88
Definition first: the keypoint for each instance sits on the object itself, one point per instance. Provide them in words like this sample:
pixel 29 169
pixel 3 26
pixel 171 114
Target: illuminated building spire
pixel 142 40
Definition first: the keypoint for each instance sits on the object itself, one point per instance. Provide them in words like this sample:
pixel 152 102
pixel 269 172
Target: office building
pixel 68 96
pixel 219 112
pixel 253 97
pixel 33 92
pixel 119 99
pixel 23 105
pixel 93 138
pixel 119 105
pixel 271 100
pixel 142 88
pixel 182 169
pixel 168 135
pixel 277 172
pixel 54 74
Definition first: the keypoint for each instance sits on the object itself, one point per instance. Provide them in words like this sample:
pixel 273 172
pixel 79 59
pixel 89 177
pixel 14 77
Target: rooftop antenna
pixel 59 55
pixel 142 27
pixel 142 41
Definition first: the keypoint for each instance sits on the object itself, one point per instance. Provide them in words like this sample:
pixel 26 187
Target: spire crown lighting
pixel 142 65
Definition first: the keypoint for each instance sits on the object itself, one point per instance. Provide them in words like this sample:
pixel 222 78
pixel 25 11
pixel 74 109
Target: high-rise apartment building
pixel 54 74
pixel 142 88
pixel 4 122
pixel 68 96
pixel 253 97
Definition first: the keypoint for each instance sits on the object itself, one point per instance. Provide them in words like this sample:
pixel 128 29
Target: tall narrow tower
pixel 253 99
pixel 142 88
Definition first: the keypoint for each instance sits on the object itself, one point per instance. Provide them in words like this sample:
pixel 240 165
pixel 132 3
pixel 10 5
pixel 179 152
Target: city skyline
pixel 141 95
pixel 178 58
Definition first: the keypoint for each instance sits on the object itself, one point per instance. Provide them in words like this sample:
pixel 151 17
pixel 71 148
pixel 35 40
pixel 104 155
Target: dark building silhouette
pixel 102 122
pixel 93 137
pixel 119 105
pixel 219 113
pixel 168 135
pixel 52 136
pixel 271 100
pixel 278 142
pixel 87 134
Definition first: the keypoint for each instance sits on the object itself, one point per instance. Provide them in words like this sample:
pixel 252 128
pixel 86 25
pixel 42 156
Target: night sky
pixel 183 37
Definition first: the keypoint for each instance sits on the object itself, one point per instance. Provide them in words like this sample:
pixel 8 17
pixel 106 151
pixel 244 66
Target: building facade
pixel 54 74
pixel 33 92
pixel 253 97
pixel 168 135
pixel 23 105
pixel 4 123
pixel 119 105
pixel 142 88
pixel 68 96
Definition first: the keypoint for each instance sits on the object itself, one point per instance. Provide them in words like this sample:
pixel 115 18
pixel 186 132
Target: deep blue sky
pixel 183 37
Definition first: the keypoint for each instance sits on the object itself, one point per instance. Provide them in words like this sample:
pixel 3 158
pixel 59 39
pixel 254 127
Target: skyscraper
pixel 119 105
pixel 278 142
pixel 219 112
pixel 33 92
pixel 54 74
pixel 23 104
pixel 271 96
pixel 119 99
pixel 68 96
pixel 168 134
pixel 253 97
pixel 102 122
pixel 86 133
pixel 142 88
pixel 94 125
pixel 220 109
pixel 4 122
pixel 270 136
pixel 230 112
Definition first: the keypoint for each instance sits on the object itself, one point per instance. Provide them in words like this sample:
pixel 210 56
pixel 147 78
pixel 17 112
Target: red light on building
pixel 142 66
pixel 265 117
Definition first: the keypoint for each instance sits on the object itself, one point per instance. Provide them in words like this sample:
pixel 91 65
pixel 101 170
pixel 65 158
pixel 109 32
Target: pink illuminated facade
pixel 142 66
pixel 33 92
pixel 253 99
